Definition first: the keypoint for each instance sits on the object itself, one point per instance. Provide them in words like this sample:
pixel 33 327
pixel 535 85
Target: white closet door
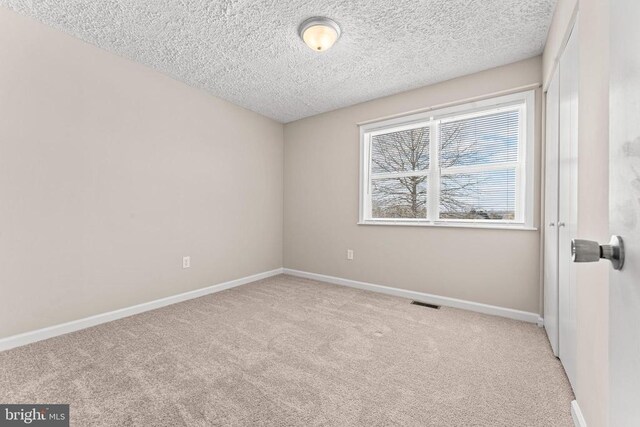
pixel 568 202
pixel 551 212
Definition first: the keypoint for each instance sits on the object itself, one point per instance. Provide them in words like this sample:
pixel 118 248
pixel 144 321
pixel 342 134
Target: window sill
pixel 409 223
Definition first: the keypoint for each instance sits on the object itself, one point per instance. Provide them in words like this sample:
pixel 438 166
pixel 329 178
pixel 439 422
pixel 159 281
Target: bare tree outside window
pixel 400 152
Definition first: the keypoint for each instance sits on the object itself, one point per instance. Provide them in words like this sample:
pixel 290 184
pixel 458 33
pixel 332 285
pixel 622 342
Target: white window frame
pixel 524 166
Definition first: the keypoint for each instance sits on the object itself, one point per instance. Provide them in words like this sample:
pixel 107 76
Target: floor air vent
pixel 424 304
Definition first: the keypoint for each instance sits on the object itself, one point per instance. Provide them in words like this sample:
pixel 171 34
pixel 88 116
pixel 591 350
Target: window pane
pixel 479 196
pixel 399 197
pixel 402 151
pixel 481 140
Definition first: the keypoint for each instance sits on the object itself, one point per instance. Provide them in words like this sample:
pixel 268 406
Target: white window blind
pixel 466 164
pixel 479 166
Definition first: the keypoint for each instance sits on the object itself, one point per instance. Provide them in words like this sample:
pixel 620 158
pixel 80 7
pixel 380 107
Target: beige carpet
pixel 289 351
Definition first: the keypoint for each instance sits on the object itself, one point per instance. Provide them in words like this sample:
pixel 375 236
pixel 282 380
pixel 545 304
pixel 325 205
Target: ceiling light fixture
pixel 319 33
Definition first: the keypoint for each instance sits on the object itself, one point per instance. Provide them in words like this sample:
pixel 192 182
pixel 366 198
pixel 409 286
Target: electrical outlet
pixel 186 262
pixel 350 254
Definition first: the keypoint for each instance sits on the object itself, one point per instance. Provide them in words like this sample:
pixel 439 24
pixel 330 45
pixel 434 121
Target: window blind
pixel 483 140
pixel 478 160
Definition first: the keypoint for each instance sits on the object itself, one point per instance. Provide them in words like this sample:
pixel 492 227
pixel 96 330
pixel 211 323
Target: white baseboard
pixel 424 297
pixel 75 325
pixel 576 414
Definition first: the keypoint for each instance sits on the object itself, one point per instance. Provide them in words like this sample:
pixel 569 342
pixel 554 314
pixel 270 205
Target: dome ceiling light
pixel 319 33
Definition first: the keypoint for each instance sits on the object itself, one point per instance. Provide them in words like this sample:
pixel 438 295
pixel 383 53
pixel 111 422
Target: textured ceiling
pixel 249 53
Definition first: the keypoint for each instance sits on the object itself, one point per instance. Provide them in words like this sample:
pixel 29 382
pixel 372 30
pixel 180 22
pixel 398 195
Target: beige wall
pixel 111 172
pixel 499 267
pixel 592 293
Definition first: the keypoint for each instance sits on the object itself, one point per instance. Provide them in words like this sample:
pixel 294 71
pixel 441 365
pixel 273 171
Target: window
pixel 468 165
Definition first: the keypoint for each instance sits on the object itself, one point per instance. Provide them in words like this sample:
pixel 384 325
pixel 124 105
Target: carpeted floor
pixel 290 351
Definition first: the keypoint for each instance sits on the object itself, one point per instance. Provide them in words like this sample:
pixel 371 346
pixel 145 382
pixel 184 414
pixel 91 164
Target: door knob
pixel 590 251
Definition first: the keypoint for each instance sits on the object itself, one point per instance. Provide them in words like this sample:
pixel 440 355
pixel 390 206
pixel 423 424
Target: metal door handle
pixel 590 251
pixel 551 224
pixel 561 224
